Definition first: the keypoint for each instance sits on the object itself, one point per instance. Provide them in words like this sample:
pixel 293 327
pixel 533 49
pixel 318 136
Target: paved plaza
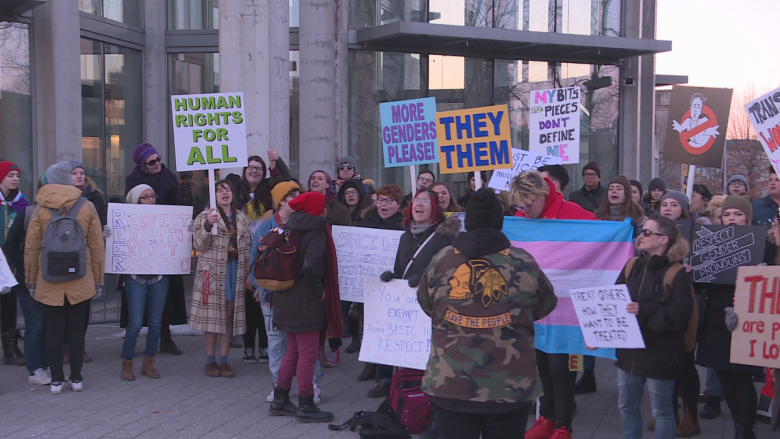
pixel 185 403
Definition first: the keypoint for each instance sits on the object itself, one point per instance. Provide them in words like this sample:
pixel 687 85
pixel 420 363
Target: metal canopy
pixel 18 7
pixel 481 42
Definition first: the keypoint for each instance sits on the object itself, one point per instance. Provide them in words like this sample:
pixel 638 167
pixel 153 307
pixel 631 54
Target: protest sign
pixel 409 132
pixel 148 239
pixel 756 340
pixel 209 131
pixel 475 139
pixel 523 161
pixel 7 278
pixel 719 250
pixel 698 123
pixel 765 115
pixel 363 253
pixel 555 123
pixel 396 330
pixel 603 318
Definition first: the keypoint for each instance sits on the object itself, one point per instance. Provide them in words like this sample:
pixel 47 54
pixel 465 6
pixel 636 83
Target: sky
pixel 721 43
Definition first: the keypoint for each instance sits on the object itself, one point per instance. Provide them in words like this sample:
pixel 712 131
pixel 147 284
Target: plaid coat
pixel 208 307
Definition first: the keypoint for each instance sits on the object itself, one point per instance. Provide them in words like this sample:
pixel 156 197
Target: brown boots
pixel 147 369
pixel 689 426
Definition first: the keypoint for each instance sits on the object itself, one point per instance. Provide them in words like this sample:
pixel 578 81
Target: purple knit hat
pixel 142 152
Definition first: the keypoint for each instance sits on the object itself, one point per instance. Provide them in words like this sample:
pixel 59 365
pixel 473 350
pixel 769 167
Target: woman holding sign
pixel 662 300
pixel 219 276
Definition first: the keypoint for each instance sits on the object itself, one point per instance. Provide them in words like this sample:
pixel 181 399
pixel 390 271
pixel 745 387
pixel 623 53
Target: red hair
pixel 436 214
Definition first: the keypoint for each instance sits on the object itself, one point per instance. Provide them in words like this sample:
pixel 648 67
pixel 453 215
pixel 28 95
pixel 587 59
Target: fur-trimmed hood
pixel 450 226
pixel 676 252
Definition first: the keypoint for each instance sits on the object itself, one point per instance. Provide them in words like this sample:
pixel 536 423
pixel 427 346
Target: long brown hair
pixel 628 208
pixel 453 206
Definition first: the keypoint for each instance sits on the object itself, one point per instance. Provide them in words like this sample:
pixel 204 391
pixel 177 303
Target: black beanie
pixel 484 211
pixel 593 166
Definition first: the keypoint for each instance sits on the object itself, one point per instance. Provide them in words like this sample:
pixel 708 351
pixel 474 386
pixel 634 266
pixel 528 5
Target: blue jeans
pixel 630 390
pixel 34 338
pixel 711 383
pixel 277 346
pixel 140 296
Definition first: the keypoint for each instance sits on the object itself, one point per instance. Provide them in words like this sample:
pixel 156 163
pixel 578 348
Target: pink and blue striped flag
pixel 573 254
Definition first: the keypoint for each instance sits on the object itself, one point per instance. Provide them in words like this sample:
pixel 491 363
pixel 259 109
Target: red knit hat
pixel 6 167
pixel 310 202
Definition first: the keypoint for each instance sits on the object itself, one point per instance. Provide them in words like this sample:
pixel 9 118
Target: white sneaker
pixel 39 378
pixel 317 394
pixel 270 397
pixel 76 386
pixel 56 387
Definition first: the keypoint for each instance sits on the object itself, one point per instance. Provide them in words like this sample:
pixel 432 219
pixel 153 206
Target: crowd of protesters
pixel 300 331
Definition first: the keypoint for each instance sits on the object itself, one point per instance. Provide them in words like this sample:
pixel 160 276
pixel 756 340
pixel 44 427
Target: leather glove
pixel 191 226
pixel 387 276
pixel 732 320
pixel 98 291
pixel 31 289
pixel 5 290
pixel 106 232
pixel 414 281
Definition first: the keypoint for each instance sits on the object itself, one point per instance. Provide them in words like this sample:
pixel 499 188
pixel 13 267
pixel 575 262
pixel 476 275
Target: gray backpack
pixel 64 249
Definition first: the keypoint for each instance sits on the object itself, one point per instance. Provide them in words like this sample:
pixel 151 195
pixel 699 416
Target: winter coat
pixel 589 199
pixel 10 209
pixel 302 308
pixel 764 211
pixel 93 194
pixel 338 214
pixel 55 196
pixel 165 184
pixel 244 201
pixel 663 318
pixel 410 242
pixel 355 215
pixel 212 265
pixel 556 208
pixel 370 218
pixel 14 247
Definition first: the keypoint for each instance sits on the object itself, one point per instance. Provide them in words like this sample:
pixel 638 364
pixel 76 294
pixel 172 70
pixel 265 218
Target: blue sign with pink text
pixel 409 132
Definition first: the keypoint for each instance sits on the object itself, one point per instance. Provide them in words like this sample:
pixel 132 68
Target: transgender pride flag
pixel 573 254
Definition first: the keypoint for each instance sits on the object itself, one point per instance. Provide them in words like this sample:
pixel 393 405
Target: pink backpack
pixel 410 405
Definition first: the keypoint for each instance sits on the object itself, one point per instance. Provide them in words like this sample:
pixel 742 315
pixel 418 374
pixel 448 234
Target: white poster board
pixel 7 278
pixel 603 318
pixel 523 161
pixel 148 239
pixel 764 113
pixel 555 123
pixel 363 253
pixel 396 331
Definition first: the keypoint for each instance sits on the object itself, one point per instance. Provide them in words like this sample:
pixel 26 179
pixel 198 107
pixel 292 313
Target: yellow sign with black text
pixel 475 139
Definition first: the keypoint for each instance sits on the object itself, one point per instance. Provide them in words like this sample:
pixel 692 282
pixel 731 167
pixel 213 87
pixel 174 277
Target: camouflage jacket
pixel 483 297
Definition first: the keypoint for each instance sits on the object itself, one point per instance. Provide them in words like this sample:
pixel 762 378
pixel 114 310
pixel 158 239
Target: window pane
pixel 123 11
pixel 193 14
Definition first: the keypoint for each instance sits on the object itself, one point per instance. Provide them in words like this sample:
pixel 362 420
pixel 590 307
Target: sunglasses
pixel 346 167
pixel 153 161
pixel 648 232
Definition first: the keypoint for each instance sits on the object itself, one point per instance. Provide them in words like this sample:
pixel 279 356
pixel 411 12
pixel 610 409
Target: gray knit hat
pixel 680 198
pixel 349 160
pixel 59 173
pixel 738 178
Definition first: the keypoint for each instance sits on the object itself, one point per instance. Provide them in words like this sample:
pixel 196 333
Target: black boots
pixel 282 406
pixel 308 412
pixel 12 356
pixel 586 383
pixel 168 346
pixel 711 409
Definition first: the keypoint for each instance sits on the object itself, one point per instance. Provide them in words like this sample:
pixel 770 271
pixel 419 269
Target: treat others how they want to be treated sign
pixel 409 132
pixel 363 253
pixel 604 321
pixel 756 339
pixel 555 123
pixel 476 139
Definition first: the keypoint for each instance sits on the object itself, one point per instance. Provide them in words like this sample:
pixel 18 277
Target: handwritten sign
pixel 555 123
pixel 476 139
pixel 7 278
pixel 523 161
pixel 363 253
pixel 209 131
pixel 396 330
pixel 409 132
pixel 148 239
pixel 603 317
pixel 756 340
pixel 765 115
pixel 719 250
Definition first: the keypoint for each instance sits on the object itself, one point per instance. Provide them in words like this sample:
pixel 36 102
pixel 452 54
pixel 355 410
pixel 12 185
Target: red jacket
pixel 557 208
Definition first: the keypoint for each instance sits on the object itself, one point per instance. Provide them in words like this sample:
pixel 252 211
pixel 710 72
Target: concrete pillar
pixel 157 114
pixel 323 85
pixel 57 75
pixel 254 44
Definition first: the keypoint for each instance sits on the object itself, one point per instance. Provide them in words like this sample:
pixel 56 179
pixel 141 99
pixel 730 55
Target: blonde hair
pixel 526 187
pixel 716 202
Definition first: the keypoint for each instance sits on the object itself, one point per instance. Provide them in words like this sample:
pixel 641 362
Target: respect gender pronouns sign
pixel 363 253
pixel 148 239
pixel 555 123
pixel 756 339
pixel 475 139
pixel 603 318
pixel 409 132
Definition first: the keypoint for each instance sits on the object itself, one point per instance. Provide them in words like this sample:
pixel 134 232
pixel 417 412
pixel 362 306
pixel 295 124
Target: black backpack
pixel 374 425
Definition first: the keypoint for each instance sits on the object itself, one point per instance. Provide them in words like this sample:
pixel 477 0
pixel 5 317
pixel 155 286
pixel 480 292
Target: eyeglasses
pixel 590 175
pixel 351 192
pixel 254 168
pixel 422 200
pixel 387 201
pixel 153 161
pixel 648 232
pixel 148 197
pixel 425 180
pixel 346 167
pixel 527 206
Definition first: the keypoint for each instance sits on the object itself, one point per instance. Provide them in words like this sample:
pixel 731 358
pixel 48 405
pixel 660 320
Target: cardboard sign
pixel 523 161
pixel 765 115
pixel 396 330
pixel 604 321
pixel 475 139
pixel 698 122
pixel 7 278
pixel 363 254
pixel 209 131
pixel 148 239
pixel 756 340
pixel 409 132
pixel 718 251
pixel 555 123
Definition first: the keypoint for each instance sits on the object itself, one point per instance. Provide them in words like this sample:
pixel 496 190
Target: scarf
pixel 334 327
pixel 615 213
pixel 230 222
pixel 18 204
pixel 416 230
